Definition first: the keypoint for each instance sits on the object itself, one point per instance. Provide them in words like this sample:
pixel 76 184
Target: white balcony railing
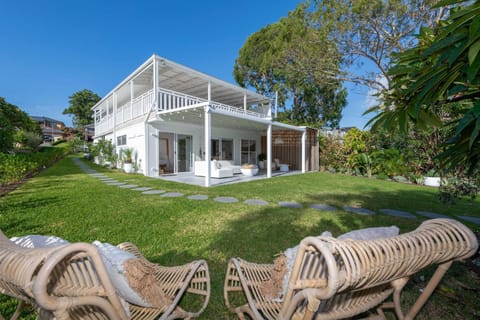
pixel 168 100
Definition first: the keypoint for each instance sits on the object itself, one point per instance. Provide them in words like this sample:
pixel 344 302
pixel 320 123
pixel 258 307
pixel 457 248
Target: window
pixel 227 149
pixel 249 154
pixel 122 140
pixel 222 149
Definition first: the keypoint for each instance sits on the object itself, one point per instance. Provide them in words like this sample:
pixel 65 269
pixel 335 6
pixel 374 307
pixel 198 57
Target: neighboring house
pixel 89 132
pixel 173 117
pixel 52 130
pixel 338 133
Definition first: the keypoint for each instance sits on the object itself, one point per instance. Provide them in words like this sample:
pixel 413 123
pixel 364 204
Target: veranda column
pixel 245 101
pixel 131 99
pixel 269 151
pixel 304 138
pixel 208 137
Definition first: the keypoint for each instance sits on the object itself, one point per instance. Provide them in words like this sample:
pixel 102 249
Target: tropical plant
pixel 442 69
pixel 127 154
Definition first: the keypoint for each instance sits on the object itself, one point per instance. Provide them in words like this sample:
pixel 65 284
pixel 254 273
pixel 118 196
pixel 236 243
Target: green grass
pixel 65 202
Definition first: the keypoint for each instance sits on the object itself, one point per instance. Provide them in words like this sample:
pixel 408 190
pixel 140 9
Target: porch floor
pixel 191 178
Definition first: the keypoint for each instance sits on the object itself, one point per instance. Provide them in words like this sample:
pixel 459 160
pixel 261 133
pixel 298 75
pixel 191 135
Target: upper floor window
pixel 122 140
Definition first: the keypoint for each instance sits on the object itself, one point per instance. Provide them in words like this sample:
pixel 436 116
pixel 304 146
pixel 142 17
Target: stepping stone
pixel 324 207
pixel 117 183
pixel 128 186
pixel 226 199
pixel 172 194
pixel 357 210
pixel 290 204
pixel 142 189
pixel 256 202
pixel 153 192
pixel 198 197
pixel 397 213
pixel 108 180
pixel 471 219
pixel 431 215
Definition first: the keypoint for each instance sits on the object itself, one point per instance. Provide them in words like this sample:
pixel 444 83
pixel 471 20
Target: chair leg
pixel 432 284
pixel 21 305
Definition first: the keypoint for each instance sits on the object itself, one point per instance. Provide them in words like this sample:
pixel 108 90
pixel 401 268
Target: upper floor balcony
pixel 179 88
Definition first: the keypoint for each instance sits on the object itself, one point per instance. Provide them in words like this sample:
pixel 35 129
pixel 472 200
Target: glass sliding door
pixel 249 151
pixel 184 153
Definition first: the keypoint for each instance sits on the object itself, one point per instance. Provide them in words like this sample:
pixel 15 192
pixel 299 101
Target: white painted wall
pixel 136 141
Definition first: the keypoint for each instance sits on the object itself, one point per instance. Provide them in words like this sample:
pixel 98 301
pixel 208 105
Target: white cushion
pixel 38 241
pixel 114 259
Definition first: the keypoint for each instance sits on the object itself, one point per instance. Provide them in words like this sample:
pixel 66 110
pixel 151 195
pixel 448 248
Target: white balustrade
pixel 167 100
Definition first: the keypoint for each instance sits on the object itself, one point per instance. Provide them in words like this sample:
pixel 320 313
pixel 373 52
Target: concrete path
pixel 259 202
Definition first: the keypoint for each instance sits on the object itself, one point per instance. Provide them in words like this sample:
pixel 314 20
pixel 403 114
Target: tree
pixel 297 60
pixel 12 119
pixel 443 69
pixel 369 32
pixel 80 105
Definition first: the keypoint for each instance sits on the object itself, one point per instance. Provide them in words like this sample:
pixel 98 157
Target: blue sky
pixel 51 49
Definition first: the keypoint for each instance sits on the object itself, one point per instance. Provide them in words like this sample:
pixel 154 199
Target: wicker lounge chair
pixel 71 282
pixel 335 279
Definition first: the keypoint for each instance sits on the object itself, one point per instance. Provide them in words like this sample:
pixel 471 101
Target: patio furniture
pixel 335 279
pixel 71 281
pixel 284 167
pixel 216 169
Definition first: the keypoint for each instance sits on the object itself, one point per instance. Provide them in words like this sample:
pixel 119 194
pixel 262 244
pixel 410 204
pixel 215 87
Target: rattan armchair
pixel 71 282
pixel 336 279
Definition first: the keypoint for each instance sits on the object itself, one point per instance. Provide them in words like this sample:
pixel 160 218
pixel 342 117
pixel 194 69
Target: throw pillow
pixel 276 287
pixel 133 278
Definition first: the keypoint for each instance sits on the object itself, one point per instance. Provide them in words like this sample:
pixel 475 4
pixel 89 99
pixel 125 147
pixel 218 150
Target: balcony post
pixel 208 136
pixel 131 99
pixel 269 150
pixel 304 138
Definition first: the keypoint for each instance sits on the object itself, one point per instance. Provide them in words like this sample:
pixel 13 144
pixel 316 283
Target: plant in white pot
pixel 127 160
pixel 432 180
pixel 261 158
pixel 248 169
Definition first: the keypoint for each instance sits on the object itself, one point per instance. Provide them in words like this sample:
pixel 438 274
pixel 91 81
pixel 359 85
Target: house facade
pixel 174 117
pixel 52 130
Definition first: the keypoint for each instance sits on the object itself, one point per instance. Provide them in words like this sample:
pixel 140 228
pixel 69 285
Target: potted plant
pixel 127 160
pixel 432 180
pixel 248 169
pixel 261 158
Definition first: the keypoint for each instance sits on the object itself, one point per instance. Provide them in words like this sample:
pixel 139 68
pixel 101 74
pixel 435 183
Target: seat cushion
pixel 133 278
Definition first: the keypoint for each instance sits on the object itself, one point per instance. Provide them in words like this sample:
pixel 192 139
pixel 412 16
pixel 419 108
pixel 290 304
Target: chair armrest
pixel 87 261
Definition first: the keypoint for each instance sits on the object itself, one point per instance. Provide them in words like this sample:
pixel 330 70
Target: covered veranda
pixel 192 179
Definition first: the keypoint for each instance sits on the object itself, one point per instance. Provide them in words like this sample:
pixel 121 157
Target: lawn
pixel 65 202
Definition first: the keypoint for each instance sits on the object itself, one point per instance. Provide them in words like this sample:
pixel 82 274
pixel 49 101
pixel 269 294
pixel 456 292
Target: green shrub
pixel 14 167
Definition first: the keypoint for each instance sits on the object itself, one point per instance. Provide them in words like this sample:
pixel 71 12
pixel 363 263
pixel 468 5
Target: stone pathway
pixel 259 202
pixel 226 199
pixel 171 194
pixel 198 197
pixel 323 207
pixel 291 204
pixel 397 213
pixel 256 202
pixel 358 210
pixel 153 192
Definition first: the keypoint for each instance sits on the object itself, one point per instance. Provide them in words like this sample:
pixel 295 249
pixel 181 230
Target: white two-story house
pixel 174 117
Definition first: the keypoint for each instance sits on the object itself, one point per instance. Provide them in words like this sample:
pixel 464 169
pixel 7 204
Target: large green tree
pixel 297 60
pixel 440 72
pixel 80 104
pixel 369 32
pixel 12 120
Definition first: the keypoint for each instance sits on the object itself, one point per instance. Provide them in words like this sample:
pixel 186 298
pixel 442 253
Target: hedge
pixel 15 167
